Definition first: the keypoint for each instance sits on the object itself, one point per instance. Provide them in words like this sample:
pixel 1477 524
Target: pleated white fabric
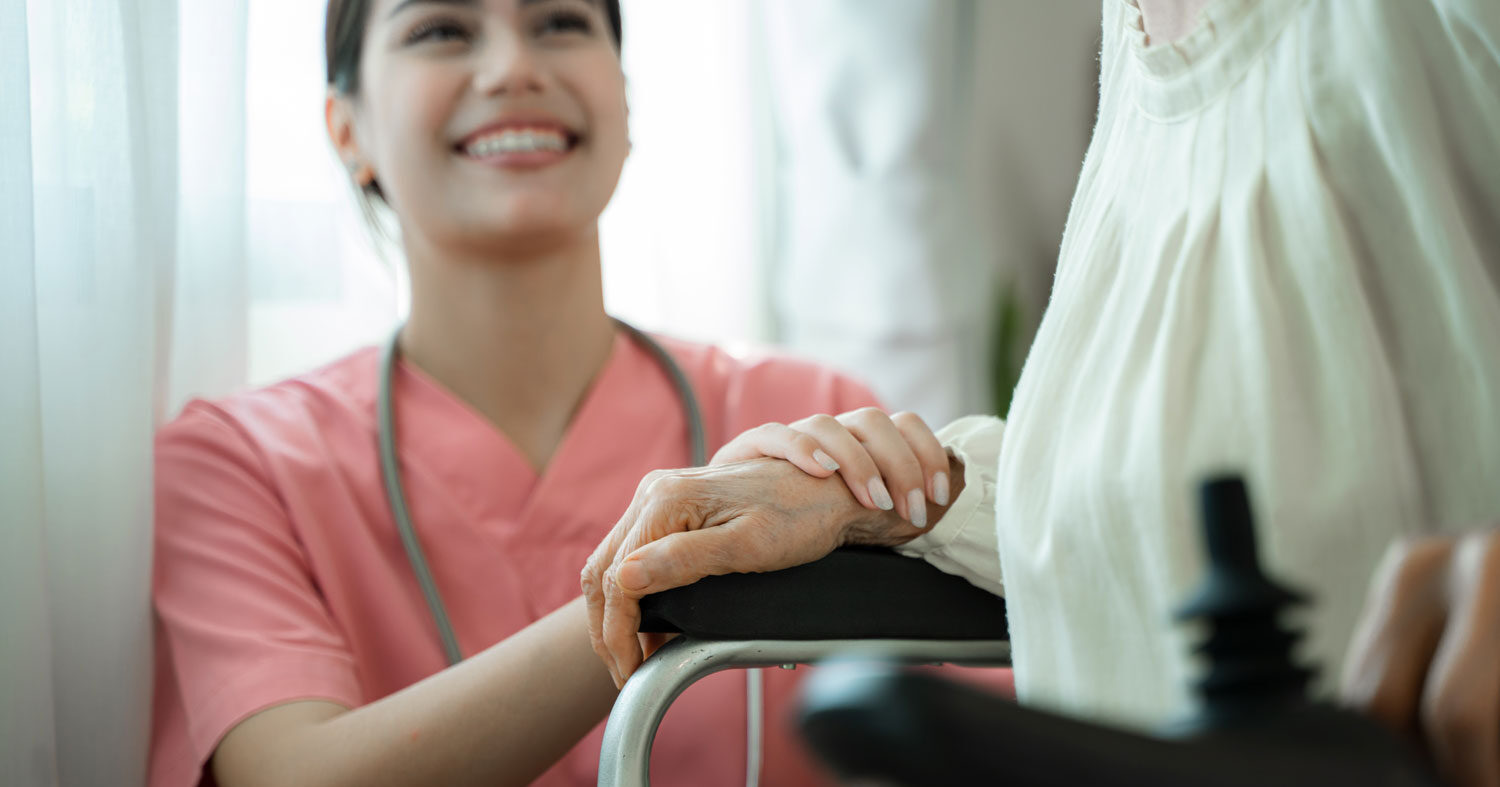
pixel 1283 260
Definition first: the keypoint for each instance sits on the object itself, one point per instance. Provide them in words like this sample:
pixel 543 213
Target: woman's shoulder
pixel 772 384
pixel 337 395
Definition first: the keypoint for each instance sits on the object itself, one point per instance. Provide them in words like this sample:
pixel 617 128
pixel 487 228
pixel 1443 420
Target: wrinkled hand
pixel 889 462
pixel 683 525
pixel 1425 659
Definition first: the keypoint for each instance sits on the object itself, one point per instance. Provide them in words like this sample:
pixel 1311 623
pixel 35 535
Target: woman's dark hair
pixel 344 38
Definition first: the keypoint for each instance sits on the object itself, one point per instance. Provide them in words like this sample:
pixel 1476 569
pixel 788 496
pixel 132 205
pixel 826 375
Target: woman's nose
pixel 508 66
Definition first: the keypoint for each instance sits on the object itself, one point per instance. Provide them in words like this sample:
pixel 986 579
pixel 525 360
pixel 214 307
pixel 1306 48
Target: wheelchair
pixel 864 613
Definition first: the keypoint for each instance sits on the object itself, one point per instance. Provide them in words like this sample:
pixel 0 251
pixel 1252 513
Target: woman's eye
pixel 565 22
pixel 438 30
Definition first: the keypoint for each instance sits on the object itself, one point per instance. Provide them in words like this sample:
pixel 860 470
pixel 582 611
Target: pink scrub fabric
pixel 279 574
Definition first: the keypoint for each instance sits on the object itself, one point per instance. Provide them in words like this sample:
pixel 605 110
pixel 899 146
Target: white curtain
pixel 122 226
pixel 28 750
pixel 89 212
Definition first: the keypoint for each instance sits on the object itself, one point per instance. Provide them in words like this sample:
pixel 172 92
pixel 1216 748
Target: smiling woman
pixel 345 33
pixel 296 643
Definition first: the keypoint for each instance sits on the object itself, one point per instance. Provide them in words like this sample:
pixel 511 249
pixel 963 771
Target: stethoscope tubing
pixel 390 473
pixel 395 488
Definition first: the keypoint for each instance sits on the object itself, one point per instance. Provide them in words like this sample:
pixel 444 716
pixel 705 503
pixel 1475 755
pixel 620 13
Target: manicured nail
pixel 879 494
pixel 916 507
pixel 940 489
pixel 825 460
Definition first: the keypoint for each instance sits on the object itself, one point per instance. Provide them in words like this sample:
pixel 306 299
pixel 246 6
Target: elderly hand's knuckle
pixel 647 481
pixel 675 519
pixel 663 487
pixel 673 486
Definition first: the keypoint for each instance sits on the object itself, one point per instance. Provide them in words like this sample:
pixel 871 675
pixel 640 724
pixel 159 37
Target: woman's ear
pixel 338 112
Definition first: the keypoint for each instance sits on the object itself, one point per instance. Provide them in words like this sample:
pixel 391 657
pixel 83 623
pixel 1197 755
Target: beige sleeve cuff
pixel 964 541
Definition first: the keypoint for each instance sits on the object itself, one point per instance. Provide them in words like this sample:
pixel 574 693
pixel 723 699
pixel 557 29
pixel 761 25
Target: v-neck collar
pixel 481 468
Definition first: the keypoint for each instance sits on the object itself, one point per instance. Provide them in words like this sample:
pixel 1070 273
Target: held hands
pixel 889 462
pixel 749 513
pixel 1425 659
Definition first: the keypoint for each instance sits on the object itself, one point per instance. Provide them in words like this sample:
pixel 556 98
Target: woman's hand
pixel 1425 659
pixel 683 525
pixel 889 462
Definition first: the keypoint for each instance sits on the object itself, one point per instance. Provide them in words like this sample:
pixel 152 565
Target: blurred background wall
pixel 922 159
pixel 880 184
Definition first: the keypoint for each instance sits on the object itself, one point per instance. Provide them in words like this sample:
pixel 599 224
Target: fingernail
pixel 825 460
pixel 879 495
pixel 940 489
pixel 916 507
pixel 633 576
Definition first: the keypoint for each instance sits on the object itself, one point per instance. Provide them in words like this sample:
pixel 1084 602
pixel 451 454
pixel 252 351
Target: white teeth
pixel 517 141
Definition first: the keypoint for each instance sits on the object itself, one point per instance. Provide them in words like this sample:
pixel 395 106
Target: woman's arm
pixel 501 717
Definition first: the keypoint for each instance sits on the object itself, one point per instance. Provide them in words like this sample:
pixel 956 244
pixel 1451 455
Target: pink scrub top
pixel 279 574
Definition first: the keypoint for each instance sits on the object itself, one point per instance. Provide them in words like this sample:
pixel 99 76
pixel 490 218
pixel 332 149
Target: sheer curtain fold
pixel 89 213
pixel 28 749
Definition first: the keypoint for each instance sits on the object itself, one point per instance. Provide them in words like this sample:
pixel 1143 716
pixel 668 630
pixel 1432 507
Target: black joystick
pixel 1248 650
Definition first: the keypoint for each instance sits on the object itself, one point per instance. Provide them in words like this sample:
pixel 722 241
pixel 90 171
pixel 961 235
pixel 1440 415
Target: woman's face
pixel 491 125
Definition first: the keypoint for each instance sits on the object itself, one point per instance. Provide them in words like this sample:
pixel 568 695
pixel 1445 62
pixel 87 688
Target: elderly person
pixel 1283 258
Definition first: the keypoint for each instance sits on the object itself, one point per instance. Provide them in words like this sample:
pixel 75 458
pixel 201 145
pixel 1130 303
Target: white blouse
pixel 1283 259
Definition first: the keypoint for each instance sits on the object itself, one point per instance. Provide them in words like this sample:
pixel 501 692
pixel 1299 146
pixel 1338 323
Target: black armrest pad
pixel 854 593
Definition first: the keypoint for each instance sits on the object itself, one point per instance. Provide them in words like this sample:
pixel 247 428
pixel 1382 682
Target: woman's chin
pixel 530 237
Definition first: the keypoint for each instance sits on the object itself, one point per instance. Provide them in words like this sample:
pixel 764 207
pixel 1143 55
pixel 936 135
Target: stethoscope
pixel 395 491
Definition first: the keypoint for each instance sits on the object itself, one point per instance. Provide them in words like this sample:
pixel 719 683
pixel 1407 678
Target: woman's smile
pixel 519 143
